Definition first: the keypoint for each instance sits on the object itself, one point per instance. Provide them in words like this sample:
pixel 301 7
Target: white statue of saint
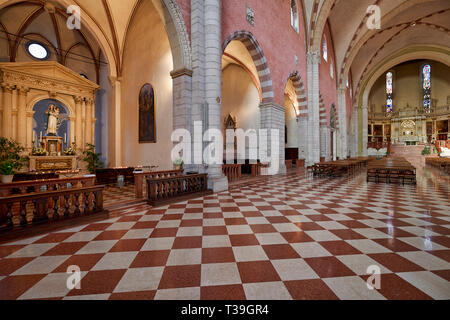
pixel 52 122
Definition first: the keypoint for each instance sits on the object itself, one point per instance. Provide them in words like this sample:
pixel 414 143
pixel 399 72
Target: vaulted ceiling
pixel 358 50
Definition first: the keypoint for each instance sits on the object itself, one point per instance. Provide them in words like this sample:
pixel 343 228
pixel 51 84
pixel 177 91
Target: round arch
pixel 302 98
pixel 260 61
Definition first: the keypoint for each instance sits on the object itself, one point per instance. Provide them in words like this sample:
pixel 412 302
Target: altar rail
pixel 140 177
pixel 232 171
pixel 257 169
pixel 24 187
pixel 164 190
pixel 46 206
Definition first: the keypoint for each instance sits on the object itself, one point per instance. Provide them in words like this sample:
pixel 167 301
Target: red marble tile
pixel 164 232
pixel 250 214
pixel 98 282
pixel 347 234
pixel 146 259
pixel 129 218
pixel 213 215
pixel 295 237
pixel 395 245
pixel 319 217
pixel 217 255
pixel 235 221
pixel 215 230
pixel 314 289
pixel 329 267
pixel 395 288
pixel 243 240
pixel 128 245
pixel 443 254
pixel 445 274
pixel 442 240
pixel 64 249
pixel 111 235
pixel 187 242
pixel 193 210
pixel 278 219
pixel 230 209
pixel 308 226
pixel 136 295
pixel 55 237
pixel 172 217
pixel 85 261
pixel 228 292
pixel 262 228
pixel 97 227
pixel 145 225
pixel 13 287
pixel 265 208
pixel 257 271
pixel 8 250
pixel 8 266
pixel 280 251
pixel 191 223
pixel 180 277
pixel 395 262
pixel 339 248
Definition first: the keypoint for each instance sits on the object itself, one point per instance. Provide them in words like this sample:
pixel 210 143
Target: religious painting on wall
pixel 147 125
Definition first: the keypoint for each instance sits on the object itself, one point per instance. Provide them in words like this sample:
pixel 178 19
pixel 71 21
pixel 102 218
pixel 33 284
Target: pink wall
pixel 273 31
pixel 185 7
pixel 328 85
pixel 348 102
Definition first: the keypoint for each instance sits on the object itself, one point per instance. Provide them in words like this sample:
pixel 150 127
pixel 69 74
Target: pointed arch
pixel 302 98
pixel 260 61
pixel 322 111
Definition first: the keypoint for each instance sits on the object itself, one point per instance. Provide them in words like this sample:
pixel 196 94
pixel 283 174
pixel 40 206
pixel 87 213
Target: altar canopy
pixel 25 84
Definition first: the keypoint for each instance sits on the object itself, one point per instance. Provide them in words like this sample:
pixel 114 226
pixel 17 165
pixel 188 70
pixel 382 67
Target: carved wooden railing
pixel 442 164
pixel 232 171
pixel 299 163
pixel 46 206
pixel 140 177
pixel 379 145
pixel 257 168
pixel 165 189
pixel 24 187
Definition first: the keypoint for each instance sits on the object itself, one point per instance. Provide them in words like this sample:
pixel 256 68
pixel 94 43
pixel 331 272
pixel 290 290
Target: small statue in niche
pixel 53 120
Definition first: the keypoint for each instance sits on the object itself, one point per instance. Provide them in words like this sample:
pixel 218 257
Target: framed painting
pixel 147 124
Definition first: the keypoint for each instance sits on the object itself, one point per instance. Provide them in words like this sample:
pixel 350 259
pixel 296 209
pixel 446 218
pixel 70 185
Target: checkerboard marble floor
pixel 283 237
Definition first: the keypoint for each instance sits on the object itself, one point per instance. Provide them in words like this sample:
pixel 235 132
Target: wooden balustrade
pixel 299 163
pixel 163 190
pixel 46 206
pixel 24 187
pixel 257 168
pixel 232 171
pixel 288 164
pixel 140 177
pixel 442 164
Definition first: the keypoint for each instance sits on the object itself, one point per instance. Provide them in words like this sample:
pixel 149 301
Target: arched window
pixel 294 15
pixel 332 70
pixel 426 81
pixel 389 92
pixel 325 49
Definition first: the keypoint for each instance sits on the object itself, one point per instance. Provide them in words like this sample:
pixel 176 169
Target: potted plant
pixel 39 152
pixel 92 158
pixel 178 164
pixel 11 160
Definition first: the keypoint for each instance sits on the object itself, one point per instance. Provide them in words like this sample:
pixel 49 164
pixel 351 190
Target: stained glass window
pixel 426 75
pixel 294 15
pixel 389 93
pixel 325 49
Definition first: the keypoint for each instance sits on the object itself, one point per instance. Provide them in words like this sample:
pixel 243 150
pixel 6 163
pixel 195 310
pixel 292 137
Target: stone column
pixel 302 136
pixel 83 123
pixel 7 110
pixel 365 124
pixel 71 138
pixel 78 123
pixel 313 60
pixel 273 117
pixel 29 125
pixel 88 121
pixel 213 84
pixel 342 151
pixel 22 116
pixel 115 143
pixel 355 135
pixel 94 120
pixel 198 79
pixel 182 99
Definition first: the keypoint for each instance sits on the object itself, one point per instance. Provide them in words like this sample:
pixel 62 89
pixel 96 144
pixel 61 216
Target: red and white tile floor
pixel 285 237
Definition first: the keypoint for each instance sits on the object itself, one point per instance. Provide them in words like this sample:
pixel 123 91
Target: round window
pixel 37 50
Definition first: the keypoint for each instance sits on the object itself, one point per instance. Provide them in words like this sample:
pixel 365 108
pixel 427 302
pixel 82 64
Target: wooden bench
pixel 47 206
pixel 140 177
pixel 166 190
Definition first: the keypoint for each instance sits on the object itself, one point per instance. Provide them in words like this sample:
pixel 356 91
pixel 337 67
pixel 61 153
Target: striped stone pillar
pixel 273 118
pixel 7 110
pixel 365 124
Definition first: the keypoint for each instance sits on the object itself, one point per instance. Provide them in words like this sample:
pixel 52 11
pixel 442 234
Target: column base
pixel 218 184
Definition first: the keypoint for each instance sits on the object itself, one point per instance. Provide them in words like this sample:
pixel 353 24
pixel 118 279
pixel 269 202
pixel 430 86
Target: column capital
pixel 113 80
pixel 181 72
pixel 7 86
pixel 78 99
pixel 313 57
pixel 23 89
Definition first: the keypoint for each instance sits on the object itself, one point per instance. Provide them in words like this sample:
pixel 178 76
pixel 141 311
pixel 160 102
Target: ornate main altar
pixel 50 110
